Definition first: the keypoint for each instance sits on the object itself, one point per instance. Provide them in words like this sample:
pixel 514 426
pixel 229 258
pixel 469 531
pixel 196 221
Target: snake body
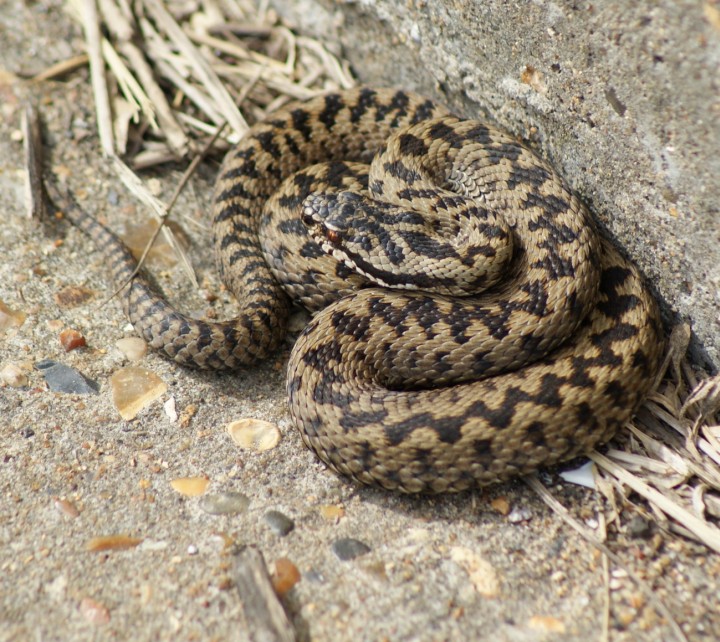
pixel 532 342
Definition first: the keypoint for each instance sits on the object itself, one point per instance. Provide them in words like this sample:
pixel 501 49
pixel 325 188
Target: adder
pixel 470 324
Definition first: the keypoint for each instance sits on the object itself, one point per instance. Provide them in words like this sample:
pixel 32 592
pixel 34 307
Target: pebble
pixel 13 375
pixel 72 296
pixel 170 409
pixel 278 522
pixel 227 503
pixel 190 486
pixel 480 572
pixel 134 348
pixel 286 576
pixel 10 318
pixel 161 254
pixel 501 505
pixel 254 434
pixel 93 611
pixel 331 512
pixel 133 389
pixel 67 508
pixel 518 515
pixel 546 623
pixel 72 339
pixel 62 378
pixel 348 548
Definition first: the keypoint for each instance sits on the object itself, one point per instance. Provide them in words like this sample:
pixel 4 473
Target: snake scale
pixel 493 333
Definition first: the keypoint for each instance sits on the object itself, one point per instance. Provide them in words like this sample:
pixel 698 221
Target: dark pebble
pixel 347 548
pixel 62 378
pixel 27 433
pixel 279 523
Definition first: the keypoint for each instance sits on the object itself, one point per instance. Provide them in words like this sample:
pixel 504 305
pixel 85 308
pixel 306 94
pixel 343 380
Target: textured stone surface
pixel 622 97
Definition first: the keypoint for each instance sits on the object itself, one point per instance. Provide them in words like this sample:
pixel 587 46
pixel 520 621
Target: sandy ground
pixel 451 568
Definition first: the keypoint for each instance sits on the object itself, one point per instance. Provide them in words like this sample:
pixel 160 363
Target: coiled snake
pixel 433 385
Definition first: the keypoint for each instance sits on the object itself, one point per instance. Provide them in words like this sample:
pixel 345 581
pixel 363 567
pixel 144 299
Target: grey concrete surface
pixel 623 97
pixel 439 569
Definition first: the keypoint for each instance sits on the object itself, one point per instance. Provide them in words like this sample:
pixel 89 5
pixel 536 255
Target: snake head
pixel 390 244
pixel 332 218
pixel 345 226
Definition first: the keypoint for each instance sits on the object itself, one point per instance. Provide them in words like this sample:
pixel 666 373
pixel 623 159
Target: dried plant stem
pixel 91 25
pixel 203 70
pixel 707 534
pixel 563 513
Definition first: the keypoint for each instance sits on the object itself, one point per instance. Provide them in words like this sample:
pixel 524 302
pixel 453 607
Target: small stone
pixel 161 255
pixel 279 523
pixel 112 543
pixel 347 548
pixel 190 486
pixel 481 573
pixel 170 410
pixel 134 348
pixel 331 512
pixel 72 296
pixel 67 508
pixel 72 340
pixel 10 318
pixel 626 616
pixel 501 505
pixel 254 434
pixel 518 515
pixel 133 389
pixel 192 550
pixel 286 576
pixel 227 503
pixel 546 623
pixel 93 611
pixel 13 375
pixel 615 584
pixel 62 378
pixel 187 414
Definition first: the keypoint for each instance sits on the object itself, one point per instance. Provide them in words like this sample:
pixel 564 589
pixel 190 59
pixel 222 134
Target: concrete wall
pixel 622 97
